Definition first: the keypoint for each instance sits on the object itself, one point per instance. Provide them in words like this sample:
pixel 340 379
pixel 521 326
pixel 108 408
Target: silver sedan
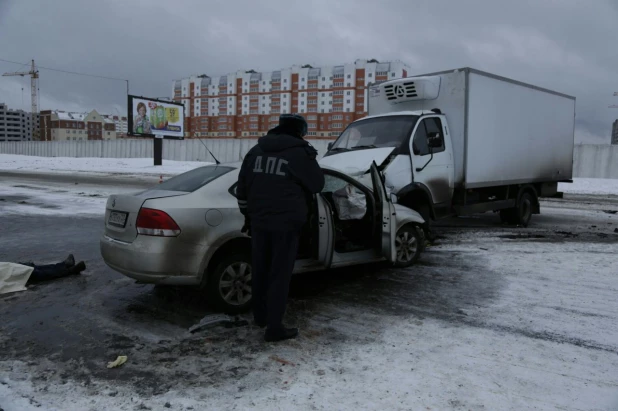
pixel 186 231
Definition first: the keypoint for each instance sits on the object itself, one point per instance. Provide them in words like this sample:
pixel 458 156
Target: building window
pixel 285 80
pixel 370 75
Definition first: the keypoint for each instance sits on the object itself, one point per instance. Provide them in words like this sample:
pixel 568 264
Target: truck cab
pixel 413 149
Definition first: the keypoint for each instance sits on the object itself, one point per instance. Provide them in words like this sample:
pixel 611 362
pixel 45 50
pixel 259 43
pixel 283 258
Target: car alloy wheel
pixel 408 245
pixel 235 284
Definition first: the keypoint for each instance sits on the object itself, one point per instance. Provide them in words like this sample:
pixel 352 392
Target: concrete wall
pixel 590 161
pixel 226 150
pixel 596 161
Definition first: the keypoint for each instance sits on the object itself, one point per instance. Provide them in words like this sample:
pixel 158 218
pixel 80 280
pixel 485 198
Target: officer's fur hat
pixel 295 123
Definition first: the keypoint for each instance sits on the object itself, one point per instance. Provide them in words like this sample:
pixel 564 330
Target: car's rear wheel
pixel 409 242
pixel 229 284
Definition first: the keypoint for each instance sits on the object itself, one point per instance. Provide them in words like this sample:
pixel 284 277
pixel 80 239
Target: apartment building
pixel 615 132
pixel 248 103
pixel 120 123
pixel 63 126
pixel 15 125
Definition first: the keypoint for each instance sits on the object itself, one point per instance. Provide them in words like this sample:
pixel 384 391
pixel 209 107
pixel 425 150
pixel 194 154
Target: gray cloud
pixel 566 45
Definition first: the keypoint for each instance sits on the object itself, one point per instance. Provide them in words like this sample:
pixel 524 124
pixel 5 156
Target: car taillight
pixel 156 223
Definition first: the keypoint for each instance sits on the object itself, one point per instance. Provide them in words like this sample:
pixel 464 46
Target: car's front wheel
pixel 409 244
pixel 229 284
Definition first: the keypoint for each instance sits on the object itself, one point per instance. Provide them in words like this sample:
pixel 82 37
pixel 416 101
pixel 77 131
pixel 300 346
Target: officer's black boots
pixel 280 334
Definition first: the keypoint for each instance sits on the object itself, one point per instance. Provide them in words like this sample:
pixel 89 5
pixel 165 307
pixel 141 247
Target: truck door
pixel 386 217
pixel 432 158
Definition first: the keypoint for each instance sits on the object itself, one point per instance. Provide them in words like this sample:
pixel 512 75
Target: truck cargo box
pixel 503 131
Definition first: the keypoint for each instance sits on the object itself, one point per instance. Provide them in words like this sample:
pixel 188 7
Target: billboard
pixel 149 117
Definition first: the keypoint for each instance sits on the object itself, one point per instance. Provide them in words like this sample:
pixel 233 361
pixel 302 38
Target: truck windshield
pixel 388 131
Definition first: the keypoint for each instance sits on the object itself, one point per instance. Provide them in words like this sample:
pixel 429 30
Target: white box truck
pixel 462 141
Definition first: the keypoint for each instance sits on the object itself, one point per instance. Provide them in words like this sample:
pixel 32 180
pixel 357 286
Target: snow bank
pixel 14 162
pixel 598 186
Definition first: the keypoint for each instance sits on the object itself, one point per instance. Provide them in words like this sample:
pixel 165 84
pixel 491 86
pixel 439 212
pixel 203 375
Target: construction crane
pixel 34 75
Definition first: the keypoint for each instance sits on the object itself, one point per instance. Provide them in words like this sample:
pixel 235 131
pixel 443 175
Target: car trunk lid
pixel 121 212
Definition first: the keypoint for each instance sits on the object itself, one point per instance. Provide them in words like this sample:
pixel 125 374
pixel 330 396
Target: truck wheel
pixel 409 242
pixel 523 212
pixel 229 284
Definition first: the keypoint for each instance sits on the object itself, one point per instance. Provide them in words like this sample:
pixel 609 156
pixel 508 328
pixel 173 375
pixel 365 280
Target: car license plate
pixel 117 218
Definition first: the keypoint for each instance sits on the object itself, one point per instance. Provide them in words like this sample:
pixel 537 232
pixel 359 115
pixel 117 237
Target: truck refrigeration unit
pixel 463 141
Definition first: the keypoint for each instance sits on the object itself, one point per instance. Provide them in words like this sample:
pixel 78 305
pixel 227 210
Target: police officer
pixel 276 184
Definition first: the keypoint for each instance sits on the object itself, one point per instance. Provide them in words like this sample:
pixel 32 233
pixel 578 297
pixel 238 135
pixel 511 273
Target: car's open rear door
pixel 386 212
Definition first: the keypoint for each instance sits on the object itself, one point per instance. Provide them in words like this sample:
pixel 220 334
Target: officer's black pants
pixel 273 257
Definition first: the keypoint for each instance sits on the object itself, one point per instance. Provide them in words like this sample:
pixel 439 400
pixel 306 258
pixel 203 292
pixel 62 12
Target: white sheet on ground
pixel 13 277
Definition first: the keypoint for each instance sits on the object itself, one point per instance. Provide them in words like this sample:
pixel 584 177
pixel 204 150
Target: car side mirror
pixel 330 145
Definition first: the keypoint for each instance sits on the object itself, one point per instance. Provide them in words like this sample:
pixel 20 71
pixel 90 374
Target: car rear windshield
pixel 194 179
pixel 388 131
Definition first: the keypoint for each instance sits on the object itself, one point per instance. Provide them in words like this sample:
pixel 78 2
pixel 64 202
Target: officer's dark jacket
pixel 277 181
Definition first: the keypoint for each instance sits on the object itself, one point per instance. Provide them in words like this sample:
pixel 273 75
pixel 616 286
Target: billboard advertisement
pixel 150 117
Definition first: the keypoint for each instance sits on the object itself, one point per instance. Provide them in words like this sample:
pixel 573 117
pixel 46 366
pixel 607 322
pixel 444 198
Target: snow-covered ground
pixel 12 162
pixel 493 318
pixel 598 186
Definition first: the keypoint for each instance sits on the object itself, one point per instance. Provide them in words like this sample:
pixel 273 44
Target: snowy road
pixel 492 318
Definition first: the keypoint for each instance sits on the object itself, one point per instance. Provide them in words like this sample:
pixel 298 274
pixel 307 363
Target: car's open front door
pixel 325 232
pixel 386 218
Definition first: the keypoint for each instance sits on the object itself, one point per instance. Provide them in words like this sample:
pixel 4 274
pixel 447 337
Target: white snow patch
pixel 95 165
pixel 594 186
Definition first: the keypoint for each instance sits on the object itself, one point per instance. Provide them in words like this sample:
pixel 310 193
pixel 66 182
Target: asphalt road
pixel 66 329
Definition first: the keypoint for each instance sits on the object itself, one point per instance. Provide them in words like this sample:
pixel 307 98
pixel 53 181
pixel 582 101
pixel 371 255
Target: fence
pixel 592 161
pixel 226 150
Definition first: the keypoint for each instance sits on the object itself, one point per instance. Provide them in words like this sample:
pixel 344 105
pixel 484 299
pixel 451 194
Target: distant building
pixel 120 122
pixel 63 126
pixel 615 132
pixel 248 103
pixel 15 125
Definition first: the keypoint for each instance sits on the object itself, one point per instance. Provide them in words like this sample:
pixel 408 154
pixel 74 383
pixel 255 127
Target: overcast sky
pixel 565 45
